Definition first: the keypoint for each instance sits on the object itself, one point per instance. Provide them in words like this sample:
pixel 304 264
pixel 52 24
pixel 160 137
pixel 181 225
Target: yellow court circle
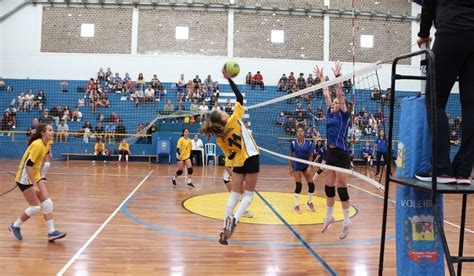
pixel 212 206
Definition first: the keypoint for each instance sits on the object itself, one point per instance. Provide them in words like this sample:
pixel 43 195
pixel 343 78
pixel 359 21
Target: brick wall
pixel 303 36
pixel 390 39
pixel 393 6
pixel 61 30
pixel 207 32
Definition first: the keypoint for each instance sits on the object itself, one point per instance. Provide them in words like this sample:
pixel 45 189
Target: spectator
pixel 64 86
pixel 290 126
pixel 46 118
pixel 149 132
pixel 180 106
pixel 8 123
pixel 141 81
pixel 203 109
pixel 66 115
pixel 159 91
pixel 454 138
pixel 291 79
pixel 375 94
pixel 109 132
pixel 29 100
pixel 300 120
pixel 310 80
pixel 190 93
pixel 228 107
pixel 197 151
pixel 108 76
pixel 301 82
pixel 315 133
pixel 99 131
pixel 20 100
pixel 169 108
pixel 63 129
pixel 91 86
pixel 40 99
pixel 101 75
pixel 86 130
pixel 150 94
pixel 181 84
pixel 2 84
pixel 80 102
pixel 56 114
pixel 114 117
pixel 458 123
pixel 208 83
pixel 32 128
pixel 138 97
pixel 127 80
pixel 320 114
pixel 117 83
pixel 77 114
pixel 281 121
pixel 141 134
pixel 282 85
pixel 121 131
pixel 368 154
pixel 194 108
pixel 154 81
pixel 248 78
pixel 197 83
pixel 258 80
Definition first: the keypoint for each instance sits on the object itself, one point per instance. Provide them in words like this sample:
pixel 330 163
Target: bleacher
pixel 261 119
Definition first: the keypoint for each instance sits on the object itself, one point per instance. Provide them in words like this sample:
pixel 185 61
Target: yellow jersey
pixel 125 147
pixel 238 138
pixel 99 147
pixel 35 152
pixel 184 145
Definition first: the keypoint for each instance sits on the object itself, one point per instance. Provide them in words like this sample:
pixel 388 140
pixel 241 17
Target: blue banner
pixel 419 247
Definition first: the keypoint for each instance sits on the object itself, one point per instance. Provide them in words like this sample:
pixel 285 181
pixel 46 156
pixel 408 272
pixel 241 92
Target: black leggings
pixel 378 157
pixel 454 57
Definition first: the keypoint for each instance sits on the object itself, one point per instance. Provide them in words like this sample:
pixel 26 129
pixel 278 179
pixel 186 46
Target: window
pixel 87 30
pixel 367 41
pixel 182 32
pixel 278 36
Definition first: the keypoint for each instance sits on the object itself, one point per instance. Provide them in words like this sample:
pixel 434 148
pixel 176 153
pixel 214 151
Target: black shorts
pixel 301 169
pixel 24 187
pixel 182 160
pixel 251 165
pixel 338 158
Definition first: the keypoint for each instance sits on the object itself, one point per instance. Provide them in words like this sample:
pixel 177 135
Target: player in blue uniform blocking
pixel 302 149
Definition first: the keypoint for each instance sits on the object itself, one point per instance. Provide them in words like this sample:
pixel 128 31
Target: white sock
pixel 297 200
pixel 126 157
pixel 189 180
pixel 18 223
pixel 50 224
pixel 231 203
pixel 120 157
pixel 310 197
pixel 244 204
pixel 329 212
pixel 347 219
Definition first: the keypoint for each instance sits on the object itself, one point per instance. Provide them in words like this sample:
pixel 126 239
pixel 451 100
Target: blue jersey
pixel 337 125
pixel 366 150
pixel 381 145
pixel 301 151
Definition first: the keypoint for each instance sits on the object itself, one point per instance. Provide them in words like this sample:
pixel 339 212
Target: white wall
pixel 21 58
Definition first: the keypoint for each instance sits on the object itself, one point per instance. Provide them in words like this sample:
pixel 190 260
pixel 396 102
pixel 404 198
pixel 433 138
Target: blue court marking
pixel 175 232
pixel 298 236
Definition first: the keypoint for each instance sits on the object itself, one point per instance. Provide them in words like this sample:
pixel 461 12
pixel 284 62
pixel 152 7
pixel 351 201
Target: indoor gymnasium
pixel 236 137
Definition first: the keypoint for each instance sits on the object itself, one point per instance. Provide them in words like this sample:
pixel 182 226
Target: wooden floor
pixel 154 235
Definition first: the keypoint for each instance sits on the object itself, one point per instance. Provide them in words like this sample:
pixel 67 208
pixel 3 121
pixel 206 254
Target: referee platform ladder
pixel 432 187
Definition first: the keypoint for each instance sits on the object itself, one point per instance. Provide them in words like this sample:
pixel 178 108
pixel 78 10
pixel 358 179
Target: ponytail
pixel 213 125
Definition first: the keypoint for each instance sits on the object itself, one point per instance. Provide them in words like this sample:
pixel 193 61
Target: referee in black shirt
pixel 454 58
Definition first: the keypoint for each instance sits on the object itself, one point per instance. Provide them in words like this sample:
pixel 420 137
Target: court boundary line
pixel 97 232
pixel 393 201
pixel 298 236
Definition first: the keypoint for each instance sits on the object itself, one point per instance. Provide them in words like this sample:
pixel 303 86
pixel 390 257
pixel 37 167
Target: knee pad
pixel 47 206
pixel 330 191
pixel 343 194
pixel 32 210
pixel 310 187
pixel 190 171
pixel 179 172
pixel 298 188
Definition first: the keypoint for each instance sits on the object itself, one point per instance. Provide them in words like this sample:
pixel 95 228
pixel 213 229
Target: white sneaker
pixel 247 214
pixel 327 224
pixel 345 230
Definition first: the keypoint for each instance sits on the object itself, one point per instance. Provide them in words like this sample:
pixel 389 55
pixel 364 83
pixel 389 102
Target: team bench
pixel 72 155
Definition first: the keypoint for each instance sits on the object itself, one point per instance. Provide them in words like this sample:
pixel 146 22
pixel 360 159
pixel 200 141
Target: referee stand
pixel 434 188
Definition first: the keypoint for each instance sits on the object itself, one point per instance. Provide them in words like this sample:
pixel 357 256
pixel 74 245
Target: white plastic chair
pixel 210 150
